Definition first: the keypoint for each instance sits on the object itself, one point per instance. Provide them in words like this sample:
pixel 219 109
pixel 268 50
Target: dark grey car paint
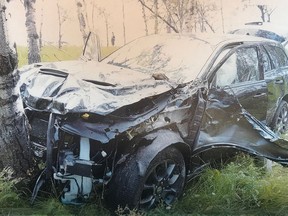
pixel 144 115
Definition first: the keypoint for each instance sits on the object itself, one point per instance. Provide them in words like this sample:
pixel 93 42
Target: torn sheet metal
pixel 226 124
pixel 82 87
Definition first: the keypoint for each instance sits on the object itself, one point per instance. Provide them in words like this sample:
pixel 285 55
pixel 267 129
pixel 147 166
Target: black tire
pixel 280 121
pixel 162 183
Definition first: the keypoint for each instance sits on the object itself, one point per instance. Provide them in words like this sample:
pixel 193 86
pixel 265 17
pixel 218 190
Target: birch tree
pixel 123 22
pixel 82 18
pixel 33 47
pixel 14 139
pixel 145 19
pixel 41 27
pixel 102 12
pixel 62 17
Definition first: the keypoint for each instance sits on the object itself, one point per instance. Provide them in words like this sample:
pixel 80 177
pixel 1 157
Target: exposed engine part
pixel 78 187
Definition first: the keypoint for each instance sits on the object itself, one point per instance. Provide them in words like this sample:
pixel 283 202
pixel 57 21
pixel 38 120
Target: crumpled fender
pixel 161 139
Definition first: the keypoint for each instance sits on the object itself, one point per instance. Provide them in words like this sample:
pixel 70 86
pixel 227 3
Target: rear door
pixel 275 73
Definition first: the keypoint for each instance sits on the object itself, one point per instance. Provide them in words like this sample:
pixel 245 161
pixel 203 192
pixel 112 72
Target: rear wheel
pixel 280 121
pixel 163 181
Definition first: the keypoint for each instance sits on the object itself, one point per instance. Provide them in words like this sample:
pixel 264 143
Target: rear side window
pixel 278 56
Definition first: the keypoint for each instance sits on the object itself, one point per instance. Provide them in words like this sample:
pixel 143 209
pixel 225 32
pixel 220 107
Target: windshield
pixel 179 58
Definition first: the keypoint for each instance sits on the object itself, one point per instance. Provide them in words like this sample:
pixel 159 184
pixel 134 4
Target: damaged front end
pixel 82 150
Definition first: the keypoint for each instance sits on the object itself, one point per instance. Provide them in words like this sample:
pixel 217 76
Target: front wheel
pixel 280 121
pixel 162 182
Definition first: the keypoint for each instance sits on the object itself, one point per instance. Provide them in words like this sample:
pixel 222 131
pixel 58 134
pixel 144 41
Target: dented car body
pixel 142 122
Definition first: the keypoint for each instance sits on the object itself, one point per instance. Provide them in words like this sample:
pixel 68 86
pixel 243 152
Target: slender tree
pixel 82 18
pixel 41 27
pixel 33 47
pixel 156 11
pixel 62 17
pixel 123 22
pixel 105 15
pixel 145 19
pixel 14 139
pixel 203 8
pixel 262 9
pixel 266 12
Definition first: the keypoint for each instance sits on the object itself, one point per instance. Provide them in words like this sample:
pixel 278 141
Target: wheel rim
pixel 282 121
pixel 162 185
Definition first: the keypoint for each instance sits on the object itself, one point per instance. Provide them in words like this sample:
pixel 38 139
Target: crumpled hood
pixel 78 86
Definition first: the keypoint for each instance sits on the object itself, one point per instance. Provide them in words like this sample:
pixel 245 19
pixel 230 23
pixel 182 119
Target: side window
pixel 266 61
pixel 277 55
pixel 240 67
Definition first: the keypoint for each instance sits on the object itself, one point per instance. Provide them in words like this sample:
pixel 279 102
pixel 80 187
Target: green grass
pixel 52 53
pixel 239 188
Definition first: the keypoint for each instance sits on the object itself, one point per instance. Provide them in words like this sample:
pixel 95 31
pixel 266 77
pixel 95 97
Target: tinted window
pixel 241 66
pixel 277 55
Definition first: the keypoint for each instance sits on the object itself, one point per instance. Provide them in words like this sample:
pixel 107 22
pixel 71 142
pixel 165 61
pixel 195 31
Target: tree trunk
pixel 123 22
pixel 33 48
pixel 156 16
pixel 262 10
pixel 107 31
pixel 145 20
pixel 82 20
pixel 14 139
pixel 59 27
pixel 41 26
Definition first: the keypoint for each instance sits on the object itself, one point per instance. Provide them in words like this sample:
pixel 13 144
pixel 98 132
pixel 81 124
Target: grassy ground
pixel 239 188
pixel 52 53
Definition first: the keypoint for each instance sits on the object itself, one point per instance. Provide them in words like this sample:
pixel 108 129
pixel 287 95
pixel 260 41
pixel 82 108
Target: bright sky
pixel 232 9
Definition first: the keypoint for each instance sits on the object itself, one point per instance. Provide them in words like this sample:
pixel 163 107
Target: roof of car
pixel 214 39
pixel 267 30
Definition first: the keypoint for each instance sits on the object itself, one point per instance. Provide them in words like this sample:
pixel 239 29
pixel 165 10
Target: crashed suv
pixel 144 121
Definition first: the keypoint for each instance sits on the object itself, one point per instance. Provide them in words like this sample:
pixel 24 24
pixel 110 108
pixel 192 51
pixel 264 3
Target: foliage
pixel 8 196
pixel 239 188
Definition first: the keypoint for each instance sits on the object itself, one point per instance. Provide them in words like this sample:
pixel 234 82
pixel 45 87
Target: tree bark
pixel 82 19
pixel 156 16
pixel 262 10
pixel 33 48
pixel 145 20
pixel 123 22
pixel 59 27
pixel 14 138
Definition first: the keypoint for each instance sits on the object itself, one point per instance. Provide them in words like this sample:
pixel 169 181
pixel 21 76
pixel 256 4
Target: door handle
pixel 259 95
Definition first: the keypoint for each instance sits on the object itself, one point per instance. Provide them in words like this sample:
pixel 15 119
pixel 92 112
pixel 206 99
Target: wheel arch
pixel 285 98
pixel 160 140
pixel 270 120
